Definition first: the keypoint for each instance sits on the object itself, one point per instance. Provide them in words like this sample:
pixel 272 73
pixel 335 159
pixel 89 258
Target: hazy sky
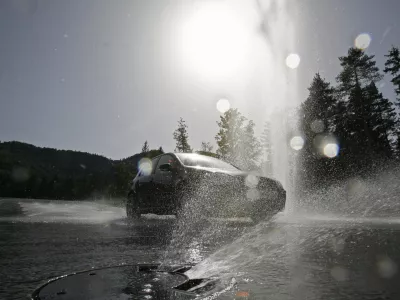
pixel 104 76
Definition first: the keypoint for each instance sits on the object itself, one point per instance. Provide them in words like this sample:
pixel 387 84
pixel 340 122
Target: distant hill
pixel 27 171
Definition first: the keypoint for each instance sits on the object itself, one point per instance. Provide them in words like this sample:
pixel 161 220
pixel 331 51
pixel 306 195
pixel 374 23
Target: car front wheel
pixel 265 209
pixel 132 211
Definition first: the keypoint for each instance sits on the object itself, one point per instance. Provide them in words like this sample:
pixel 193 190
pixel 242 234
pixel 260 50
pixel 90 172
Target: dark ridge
pixel 27 171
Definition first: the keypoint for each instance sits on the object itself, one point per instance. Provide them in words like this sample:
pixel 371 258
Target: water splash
pixel 63 212
pixel 279 33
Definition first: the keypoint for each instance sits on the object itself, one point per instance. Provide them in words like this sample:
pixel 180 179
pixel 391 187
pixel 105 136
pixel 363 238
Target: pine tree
pixel 145 147
pixel 229 134
pixel 236 140
pixel 319 108
pixel 317 115
pixel 161 150
pixel 358 71
pixel 392 66
pixel 181 137
pixel 250 148
pixel 206 147
pixel 381 117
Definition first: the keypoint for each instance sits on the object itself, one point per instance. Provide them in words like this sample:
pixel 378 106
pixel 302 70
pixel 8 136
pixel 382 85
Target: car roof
pixel 175 154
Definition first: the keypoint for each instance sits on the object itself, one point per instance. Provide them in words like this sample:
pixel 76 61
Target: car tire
pixel 132 212
pixel 179 215
pixel 183 195
pixel 179 207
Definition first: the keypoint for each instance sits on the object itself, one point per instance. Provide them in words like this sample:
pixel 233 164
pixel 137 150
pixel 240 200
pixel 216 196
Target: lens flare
pixel 242 294
pixel 297 143
pixel 317 126
pixel 253 194
pixel 223 105
pixel 331 150
pixel 20 174
pixel 387 268
pixel 251 181
pixel 362 41
pixel 339 273
pixel 145 166
pixel 293 60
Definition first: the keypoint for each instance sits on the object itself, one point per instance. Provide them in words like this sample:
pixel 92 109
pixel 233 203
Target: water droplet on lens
pixel 331 150
pixel 387 268
pixel 223 105
pixel 317 126
pixel 362 41
pixel 253 194
pixel 338 244
pixel 339 273
pixel 251 181
pixel 293 60
pixel 145 166
pixel 20 174
pixel 297 143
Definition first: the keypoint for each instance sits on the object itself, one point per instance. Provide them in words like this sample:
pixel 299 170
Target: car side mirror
pixel 166 167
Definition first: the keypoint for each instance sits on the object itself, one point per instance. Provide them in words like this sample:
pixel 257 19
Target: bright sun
pixel 214 43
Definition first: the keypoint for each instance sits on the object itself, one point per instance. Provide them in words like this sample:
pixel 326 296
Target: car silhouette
pixel 194 185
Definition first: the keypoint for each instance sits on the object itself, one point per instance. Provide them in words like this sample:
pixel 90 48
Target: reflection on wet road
pixel 286 258
pixel 52 238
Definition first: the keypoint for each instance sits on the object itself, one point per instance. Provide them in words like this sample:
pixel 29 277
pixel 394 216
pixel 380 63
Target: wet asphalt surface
pixel 285 258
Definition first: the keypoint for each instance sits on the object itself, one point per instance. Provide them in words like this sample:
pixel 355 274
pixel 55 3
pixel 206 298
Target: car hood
pixel 237 176
pixel 216 171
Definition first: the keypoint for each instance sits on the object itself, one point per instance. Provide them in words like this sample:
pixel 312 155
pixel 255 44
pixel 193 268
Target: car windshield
pixel 195 160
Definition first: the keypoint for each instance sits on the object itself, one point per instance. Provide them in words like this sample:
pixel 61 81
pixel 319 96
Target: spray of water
pixel 375 196
pixel 279 33
pixel 58 211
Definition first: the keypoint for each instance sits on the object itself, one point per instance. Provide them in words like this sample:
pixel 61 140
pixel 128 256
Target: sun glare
pixel 213 40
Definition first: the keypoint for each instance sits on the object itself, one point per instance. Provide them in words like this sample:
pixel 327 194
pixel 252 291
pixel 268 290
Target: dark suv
pixel 190 184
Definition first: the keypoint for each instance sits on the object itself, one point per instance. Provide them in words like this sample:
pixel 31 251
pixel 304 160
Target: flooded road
pixel 301 257
pixel 51 238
